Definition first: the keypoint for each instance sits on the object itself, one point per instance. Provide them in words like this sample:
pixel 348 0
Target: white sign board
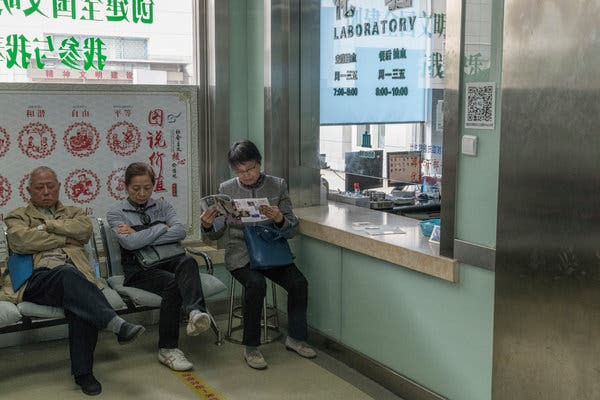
pixel 89 138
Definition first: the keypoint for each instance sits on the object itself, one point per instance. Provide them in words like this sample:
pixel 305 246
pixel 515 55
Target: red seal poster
pixel 4 142
pixel 37 140
pixel 5 191
pixel 89 138
pixel 22 184
pixel 124 138
pixel 81 139
pixel 82 186
pixel 116 183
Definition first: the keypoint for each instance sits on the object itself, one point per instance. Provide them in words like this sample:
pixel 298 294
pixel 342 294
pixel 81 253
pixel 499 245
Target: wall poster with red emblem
pixel 89 138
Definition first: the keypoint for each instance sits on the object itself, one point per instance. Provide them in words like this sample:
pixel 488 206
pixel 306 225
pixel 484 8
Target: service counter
pixel 392 302
pixel 340 224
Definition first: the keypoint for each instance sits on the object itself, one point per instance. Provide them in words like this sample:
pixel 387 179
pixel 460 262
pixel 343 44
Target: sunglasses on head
pixel 144 218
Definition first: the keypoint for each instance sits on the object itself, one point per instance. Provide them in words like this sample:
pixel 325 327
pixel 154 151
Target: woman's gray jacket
pixel 271 187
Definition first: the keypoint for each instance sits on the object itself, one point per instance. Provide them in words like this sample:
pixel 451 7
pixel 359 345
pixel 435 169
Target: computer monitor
pixel 364 168
pixel 403 168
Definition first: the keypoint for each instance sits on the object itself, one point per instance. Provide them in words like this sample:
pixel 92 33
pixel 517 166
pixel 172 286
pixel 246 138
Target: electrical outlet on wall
pixel 469 145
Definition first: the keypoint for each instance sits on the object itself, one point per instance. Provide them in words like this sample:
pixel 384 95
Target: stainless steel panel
pixel 310 55
pixel 474 254
pixel 201 65
pixel 218 96
pixel 305 177
pixel 278 119
pixel 291 60
pixel 547 318
pixel 452 101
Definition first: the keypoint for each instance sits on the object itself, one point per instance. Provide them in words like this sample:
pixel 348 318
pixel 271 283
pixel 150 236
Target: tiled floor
pixel 41 371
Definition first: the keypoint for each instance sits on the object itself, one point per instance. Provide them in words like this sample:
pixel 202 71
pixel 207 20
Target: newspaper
pixel 235 211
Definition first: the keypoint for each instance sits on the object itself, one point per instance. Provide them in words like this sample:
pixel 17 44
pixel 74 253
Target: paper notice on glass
pixel 383 230
pixel 360 226
pixel 249 209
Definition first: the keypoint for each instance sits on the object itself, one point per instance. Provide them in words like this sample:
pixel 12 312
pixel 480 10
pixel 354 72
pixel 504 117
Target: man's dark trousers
pixel 86 309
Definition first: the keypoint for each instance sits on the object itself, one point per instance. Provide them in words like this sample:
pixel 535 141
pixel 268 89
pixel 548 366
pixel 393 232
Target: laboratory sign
pixel 373 61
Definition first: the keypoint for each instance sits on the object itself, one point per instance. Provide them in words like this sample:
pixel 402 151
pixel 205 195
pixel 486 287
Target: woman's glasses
pixel 241 172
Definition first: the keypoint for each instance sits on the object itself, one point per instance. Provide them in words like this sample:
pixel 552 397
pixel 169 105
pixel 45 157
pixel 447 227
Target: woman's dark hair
pixel 244 151
pixel 137 169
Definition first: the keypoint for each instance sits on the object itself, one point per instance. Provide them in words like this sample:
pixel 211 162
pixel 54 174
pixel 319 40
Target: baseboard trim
pixel 374 370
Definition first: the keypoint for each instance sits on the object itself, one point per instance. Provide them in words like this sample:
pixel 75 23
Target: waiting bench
pixel 124 299
pixel 26 315
pixel 137 298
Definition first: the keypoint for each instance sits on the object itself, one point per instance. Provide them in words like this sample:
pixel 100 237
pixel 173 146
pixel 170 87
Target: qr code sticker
pixel 481 105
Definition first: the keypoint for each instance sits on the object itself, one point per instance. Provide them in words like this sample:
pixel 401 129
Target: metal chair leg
pixel 275 309
pixel 231 301
pixel 215 328
pixel 265 320
pixel 238 312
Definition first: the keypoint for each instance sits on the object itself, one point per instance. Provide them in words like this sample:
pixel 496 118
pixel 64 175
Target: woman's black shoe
pixel 89 384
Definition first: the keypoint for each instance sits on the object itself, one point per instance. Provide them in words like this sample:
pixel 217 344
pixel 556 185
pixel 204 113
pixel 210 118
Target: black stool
pixel 270 320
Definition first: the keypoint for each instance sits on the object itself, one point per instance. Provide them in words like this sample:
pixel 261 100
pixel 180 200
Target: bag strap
pixel 277 233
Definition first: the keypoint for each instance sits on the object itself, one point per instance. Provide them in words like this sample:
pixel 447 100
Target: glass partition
pixel 382 62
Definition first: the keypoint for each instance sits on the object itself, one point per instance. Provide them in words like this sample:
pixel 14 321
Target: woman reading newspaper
pixel 141 221
pixel 250 183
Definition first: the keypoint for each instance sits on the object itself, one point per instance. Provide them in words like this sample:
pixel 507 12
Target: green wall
pixel 256 80
pixel 477 177
pixel 246 71
pixel 238 72
pixel 434 332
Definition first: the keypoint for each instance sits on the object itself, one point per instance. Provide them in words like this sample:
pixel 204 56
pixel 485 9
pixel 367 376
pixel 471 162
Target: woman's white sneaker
pixel 254 358
pixel 199 322
pixel 300 347
pixel 174 359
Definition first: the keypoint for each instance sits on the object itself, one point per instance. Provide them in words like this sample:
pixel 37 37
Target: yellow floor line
pixel 198 385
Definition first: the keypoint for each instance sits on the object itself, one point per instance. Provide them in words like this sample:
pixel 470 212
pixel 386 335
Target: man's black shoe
pixel 129 332
pixel 89 384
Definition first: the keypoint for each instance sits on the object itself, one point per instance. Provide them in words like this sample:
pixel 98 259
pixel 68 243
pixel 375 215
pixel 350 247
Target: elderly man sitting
pixel 55 235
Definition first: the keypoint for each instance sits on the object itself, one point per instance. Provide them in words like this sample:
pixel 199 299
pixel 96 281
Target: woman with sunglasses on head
pixel 139 221
pixel 245 159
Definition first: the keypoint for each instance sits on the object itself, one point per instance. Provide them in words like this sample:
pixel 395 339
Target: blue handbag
pixel 266 247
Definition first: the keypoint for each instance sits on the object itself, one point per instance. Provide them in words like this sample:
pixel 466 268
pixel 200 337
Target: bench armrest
pixel 207 260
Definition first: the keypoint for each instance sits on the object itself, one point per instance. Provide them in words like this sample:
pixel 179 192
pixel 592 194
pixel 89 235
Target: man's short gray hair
pixel 41 169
